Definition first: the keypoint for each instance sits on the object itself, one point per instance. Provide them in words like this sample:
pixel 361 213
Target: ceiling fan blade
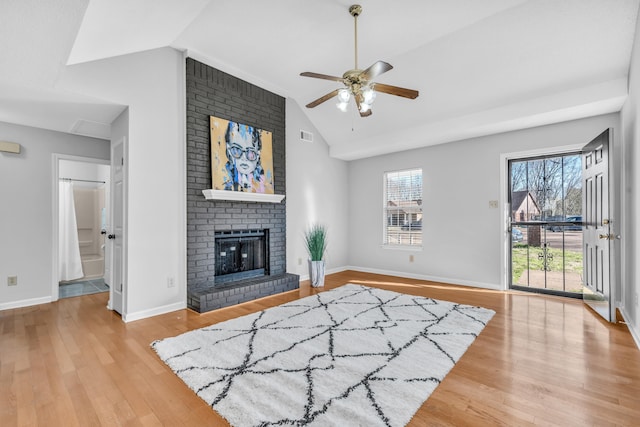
pixel 358 100
pixel 375 70
pixel 395 90
pixel 321 76
pixel 322 99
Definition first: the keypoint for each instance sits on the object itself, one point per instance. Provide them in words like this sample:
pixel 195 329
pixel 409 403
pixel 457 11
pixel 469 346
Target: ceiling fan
pixel 358 83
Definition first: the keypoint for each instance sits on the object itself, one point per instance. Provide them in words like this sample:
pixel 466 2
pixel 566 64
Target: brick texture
pixel 211 92
pixel 207 299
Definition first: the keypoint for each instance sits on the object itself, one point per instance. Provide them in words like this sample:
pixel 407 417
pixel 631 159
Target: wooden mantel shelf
pixel 211 194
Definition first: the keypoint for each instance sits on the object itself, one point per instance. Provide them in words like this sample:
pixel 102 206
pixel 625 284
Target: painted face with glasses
pixel 243 155
pixel 243 151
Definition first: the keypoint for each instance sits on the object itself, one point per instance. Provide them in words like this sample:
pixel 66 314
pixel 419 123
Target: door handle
pixel 111 236
pixel 606 236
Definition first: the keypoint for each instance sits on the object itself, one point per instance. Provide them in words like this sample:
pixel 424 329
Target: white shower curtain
pixel 70 264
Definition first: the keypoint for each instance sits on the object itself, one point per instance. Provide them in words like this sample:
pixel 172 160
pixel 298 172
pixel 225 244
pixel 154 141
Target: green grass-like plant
pixel 316 241
pixel 525 257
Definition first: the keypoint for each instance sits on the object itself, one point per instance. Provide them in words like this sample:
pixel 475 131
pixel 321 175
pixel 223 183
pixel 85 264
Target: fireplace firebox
pixel 241 254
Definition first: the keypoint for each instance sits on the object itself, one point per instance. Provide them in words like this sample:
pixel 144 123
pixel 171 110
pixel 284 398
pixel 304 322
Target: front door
pixel 597 225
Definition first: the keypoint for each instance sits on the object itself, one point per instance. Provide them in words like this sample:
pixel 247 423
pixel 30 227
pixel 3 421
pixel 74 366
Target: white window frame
pixel 419 210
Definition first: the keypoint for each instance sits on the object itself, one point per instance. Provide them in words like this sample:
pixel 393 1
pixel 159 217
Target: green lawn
pixel 521 253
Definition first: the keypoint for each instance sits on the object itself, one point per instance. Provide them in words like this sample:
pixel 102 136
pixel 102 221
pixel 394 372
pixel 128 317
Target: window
pixel 403 208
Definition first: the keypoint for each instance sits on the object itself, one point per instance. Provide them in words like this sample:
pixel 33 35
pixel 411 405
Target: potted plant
pixel 316 241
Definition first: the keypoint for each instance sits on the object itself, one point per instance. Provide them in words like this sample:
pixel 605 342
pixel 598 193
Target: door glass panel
pixel 546 217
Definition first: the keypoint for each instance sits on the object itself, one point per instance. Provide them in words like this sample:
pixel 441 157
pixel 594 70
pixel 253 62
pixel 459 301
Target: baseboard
pixel 635 334
pixel 447 280
pixel 327 272
pixel 24 303
pixel 139 315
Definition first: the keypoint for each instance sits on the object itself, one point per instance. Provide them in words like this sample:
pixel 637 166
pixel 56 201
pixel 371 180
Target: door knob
pixel 111 236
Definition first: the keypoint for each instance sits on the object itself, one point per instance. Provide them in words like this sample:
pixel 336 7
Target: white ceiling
pixel 481 66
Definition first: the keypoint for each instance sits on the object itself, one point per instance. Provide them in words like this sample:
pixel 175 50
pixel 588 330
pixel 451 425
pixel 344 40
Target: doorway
pixel 81 218
pixel 545 217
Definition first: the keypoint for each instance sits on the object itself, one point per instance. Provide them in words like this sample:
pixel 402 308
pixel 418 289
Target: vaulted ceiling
pixel 481 67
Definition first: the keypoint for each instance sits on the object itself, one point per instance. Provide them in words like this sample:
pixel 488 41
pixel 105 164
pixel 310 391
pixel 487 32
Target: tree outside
pixel 554 182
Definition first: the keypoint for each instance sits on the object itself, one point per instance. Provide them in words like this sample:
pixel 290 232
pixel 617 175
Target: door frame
pixel 503 201
pixel 614 207
pixel 55 206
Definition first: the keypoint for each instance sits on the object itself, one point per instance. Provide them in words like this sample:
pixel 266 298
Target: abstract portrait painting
pixel 241 157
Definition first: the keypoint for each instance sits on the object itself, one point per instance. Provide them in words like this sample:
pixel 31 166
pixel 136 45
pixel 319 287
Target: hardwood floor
pixel 541 360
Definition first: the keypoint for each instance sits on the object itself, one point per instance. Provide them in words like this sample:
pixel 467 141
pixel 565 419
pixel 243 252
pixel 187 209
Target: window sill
pixel 402 248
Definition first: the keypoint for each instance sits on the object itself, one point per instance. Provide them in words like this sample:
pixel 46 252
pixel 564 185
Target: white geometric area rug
pixel 351 356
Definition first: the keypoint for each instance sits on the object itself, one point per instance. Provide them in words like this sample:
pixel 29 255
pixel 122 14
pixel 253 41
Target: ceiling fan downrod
pixel 355 11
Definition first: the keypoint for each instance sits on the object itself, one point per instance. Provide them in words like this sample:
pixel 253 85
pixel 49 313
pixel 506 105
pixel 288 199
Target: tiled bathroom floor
pixel 84 287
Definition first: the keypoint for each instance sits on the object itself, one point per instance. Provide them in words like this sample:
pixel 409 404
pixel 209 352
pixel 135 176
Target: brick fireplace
pixel 222 234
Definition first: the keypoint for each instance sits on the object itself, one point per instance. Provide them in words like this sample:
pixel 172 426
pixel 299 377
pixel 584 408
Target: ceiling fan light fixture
pixel 342 106
pixel 344 95
pixel 368 95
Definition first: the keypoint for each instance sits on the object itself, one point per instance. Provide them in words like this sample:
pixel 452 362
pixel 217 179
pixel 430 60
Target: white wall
pixel 317 192
pixel 26 225
pixel 631 185
pixel 151 83
pixel 463 236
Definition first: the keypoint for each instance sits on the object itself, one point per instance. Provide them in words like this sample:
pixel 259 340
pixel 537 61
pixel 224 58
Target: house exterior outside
pixel 524 206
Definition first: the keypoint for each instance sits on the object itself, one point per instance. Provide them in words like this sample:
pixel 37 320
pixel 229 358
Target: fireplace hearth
pixel 243 272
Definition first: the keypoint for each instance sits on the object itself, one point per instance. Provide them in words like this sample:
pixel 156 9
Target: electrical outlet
pixel 171 282
pixel 299 261
pixel 12 281
pixel 410 258
pixel 493 204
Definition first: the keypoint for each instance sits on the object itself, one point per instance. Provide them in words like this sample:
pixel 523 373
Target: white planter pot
pixel 316 273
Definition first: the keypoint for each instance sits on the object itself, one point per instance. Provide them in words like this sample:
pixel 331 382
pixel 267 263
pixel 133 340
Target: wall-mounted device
pixel 9 147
